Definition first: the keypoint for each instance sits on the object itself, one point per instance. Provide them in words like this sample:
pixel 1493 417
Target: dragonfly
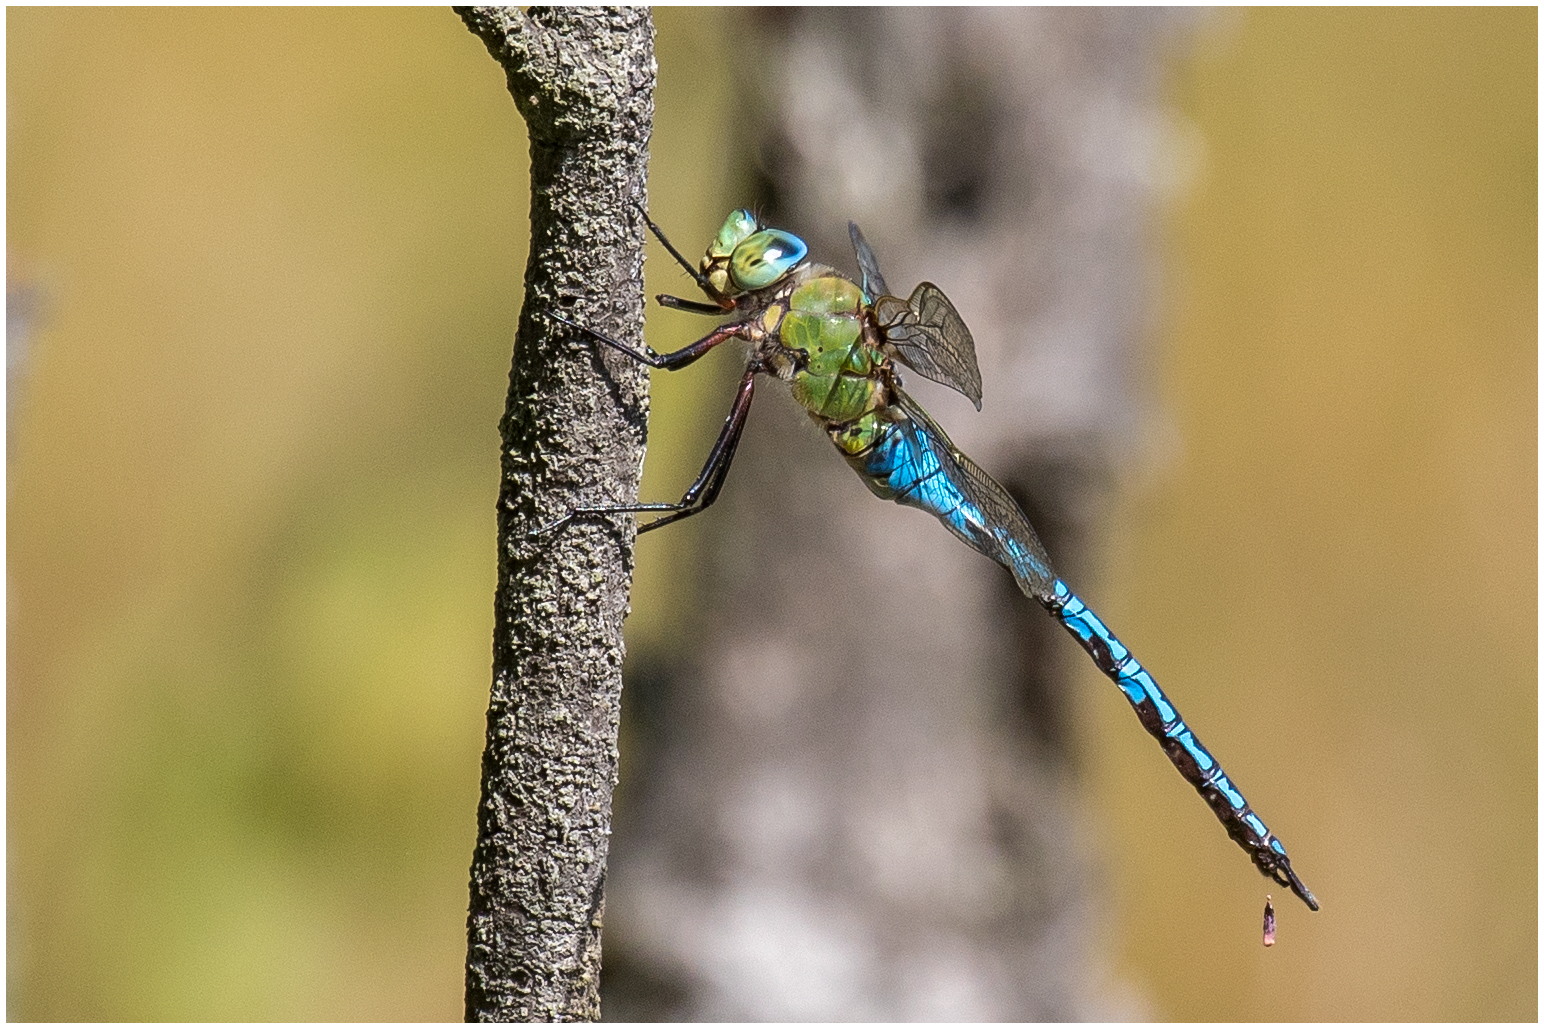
pixel 839 345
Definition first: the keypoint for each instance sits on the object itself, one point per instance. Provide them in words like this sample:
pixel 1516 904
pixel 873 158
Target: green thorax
pixel 839 377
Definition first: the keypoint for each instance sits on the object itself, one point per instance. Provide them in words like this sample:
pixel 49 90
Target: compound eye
pixel 737 227
pixel 764 258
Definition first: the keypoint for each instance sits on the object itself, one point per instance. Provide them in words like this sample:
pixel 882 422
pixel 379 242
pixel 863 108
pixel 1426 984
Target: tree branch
pixel 573 433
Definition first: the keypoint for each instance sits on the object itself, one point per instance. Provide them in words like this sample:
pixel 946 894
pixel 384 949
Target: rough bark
pixel 573 432
pixel 862 807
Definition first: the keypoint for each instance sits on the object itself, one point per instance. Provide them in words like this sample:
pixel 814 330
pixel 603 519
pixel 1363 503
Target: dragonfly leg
pixel 671 361
pixel 701 494
pixel 694 306
pixel 691 269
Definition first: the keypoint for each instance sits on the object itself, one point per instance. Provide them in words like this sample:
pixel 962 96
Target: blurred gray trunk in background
pixel 857 801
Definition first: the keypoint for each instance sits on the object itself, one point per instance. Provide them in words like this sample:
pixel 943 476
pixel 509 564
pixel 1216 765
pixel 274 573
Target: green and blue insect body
pixel 838 345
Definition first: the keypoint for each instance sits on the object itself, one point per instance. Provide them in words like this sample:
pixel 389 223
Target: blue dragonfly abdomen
pixel 913 463
pixel 1163 722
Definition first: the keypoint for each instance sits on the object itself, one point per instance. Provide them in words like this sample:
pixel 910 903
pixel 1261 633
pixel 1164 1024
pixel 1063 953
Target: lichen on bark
pixel 573 432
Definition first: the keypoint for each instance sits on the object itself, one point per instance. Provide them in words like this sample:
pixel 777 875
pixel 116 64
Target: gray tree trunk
pixel 862 803
pixel 573 432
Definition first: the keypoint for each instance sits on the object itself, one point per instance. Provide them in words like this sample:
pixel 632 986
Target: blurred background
pixel 1256 299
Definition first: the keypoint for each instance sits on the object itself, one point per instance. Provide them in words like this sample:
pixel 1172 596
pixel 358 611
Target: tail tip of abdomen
pixel 1297 887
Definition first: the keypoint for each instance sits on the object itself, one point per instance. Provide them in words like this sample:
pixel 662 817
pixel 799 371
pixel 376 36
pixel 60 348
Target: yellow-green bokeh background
pixel 275 258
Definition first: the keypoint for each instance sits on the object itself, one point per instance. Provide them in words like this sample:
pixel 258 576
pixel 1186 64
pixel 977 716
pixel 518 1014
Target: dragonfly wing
pixel 918 466
pixel 873 282
pixel 930 337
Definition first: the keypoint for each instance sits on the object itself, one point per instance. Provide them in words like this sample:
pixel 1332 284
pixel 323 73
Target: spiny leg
pixel 701 494
pixel 691 269
pixel 694 306
pixel 669 362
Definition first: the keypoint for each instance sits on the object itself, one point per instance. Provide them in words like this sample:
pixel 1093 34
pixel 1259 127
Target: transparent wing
pixel 930 337
pixel 972 504
pixel 873 282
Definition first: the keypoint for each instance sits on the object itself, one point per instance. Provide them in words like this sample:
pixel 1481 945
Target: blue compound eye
pixel 764 258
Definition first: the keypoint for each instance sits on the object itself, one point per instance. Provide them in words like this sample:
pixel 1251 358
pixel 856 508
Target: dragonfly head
pixel 745 256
